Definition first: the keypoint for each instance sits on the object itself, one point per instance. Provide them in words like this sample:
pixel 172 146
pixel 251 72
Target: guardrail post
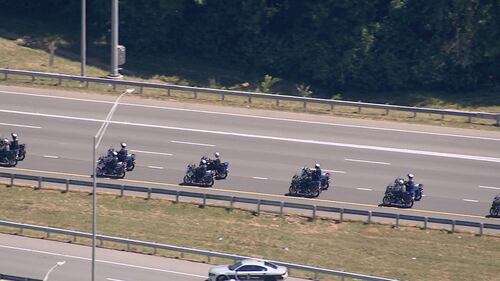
pixel 39 183
pixel 195 94
pixel 387 111
pixel 114 87
pixel 277 102
pixel 469 119
pixel 47 234
pixel 369 217
pixel 282 205
pixel 5 76
pixel 32 78
pixel 154 251
pixel 231 203
pixel 442 117
pixel 74 238
pixel 209 260
pixel 168 92
pixel 59 82
pixel 67 186
pixel 177 196
pixel 21 230
pixel 314 212
pixel 11 180
pixel 258 207
pixel 141 90
pixel 332 106
pixel 426 220
pixel 359 108
pixel 453 226
pixel 149 193
pixel 305 104
pixel 182 255
pixel 481 228
pixel 397 220
pixel 122 188
pixel 204 200
pixel 498 120
pixel 128 247
pixel 414 114
pixel 250 99
pixel 315 276
pixel 341 219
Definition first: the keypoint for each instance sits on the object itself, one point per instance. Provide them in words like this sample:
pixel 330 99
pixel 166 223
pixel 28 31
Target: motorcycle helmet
pixel 217 155
pixel 401 181
pixel 410 176
pixel 203 161
pixel 123 145
pixel 5 141
pixel 316 166
pixel 115 153
pixel 14 136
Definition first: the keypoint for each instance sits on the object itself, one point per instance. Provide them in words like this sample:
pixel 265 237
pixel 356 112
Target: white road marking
pixel 489 187
pixel 151 152
pixel 156 167
pixel 335 171
pixel 364 189
pixel 51 156
pixel 348 145
pixel 101 261
pixel 113 279
pixel 259 178
pixel 192 143
pixel 471 200
pixel 367 161
pixel 258 117
pixel 19 125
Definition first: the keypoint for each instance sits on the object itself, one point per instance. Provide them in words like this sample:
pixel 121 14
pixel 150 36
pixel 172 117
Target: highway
pixel 459 167
pixel 28 257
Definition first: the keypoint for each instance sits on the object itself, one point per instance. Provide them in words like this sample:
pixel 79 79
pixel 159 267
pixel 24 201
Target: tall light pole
pixel 114 41
pixel 96 140
pixel 83 47
pixel 59 263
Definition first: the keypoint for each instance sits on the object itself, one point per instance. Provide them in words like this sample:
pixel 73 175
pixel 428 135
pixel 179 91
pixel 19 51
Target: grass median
pixel 406 253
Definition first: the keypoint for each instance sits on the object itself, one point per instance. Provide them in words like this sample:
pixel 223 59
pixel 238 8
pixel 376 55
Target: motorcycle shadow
pixel 298 195
pixel 394 206
pixel 193 184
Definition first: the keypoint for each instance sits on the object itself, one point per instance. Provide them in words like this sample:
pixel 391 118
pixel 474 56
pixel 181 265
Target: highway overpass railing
pixel 183 250
pixel 251 95
pixel 313 208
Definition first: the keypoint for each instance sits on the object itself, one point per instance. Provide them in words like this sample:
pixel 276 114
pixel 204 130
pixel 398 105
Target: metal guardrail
pixel 258 202
pixel 184 250
pixel 250 95
pixel 16 278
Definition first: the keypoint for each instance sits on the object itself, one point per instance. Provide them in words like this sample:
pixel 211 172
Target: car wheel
pixel 222 278
pixel 270 278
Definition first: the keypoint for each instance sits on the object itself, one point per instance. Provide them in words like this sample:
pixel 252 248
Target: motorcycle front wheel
pixel 315 193
pixel 121 174
pixel 409 204
pixel 494 212
pixel 12 162
pixel 187 179
pixel 210 182
pixel 222 175
pixel 99 172
pixel 386 201
pixel 22 156
pixel 130 167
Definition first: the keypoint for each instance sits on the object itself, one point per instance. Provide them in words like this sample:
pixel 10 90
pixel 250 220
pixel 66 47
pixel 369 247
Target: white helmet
pixel 203 161
pixel 14 135
pixel 317 166
pixel 217 154
pixel 410 176
pixel 123 145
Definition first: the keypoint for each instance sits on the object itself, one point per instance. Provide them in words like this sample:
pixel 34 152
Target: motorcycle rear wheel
pixel 409 204
pixel 210 182
pixel 315 193
pixel 494 212
pixel 12 162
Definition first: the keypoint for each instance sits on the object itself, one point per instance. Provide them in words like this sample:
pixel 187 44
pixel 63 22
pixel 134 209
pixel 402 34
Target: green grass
pixel 406 253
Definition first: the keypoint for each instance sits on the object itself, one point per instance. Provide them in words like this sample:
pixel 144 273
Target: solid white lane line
pixel 19 125
pixel 101 261
pixel 156 167
pixel 348 145
pixel 151 152
pixel 258 117
pixel 335 171
pixel 51 156
pixel 471 200
pixel 259 178
pixel 113 279
pixel 364 189
pixel 366 161
pixel 489 187
pixel 192 143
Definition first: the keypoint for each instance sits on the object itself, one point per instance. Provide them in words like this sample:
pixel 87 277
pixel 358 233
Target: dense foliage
pixel 358 45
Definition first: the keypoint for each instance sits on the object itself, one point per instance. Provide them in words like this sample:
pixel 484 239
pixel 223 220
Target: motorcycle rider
pixel 410 185
pixel 111 162
pixel 14 144
pixel 122 154
pixel 217 162
pixel 316 175
pixel 201 170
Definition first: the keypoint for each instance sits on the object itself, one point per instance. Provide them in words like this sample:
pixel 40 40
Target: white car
pixel 248 269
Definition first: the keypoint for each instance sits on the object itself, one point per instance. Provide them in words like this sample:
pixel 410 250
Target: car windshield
pixel 268 264
pixel 234 266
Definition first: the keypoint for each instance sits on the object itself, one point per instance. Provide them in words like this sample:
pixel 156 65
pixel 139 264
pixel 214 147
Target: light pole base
pixel 114 76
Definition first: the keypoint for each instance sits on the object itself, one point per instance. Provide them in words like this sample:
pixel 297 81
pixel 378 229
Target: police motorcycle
pixel 8 158
pixel 396 195
pixel 221 171
pixel 118 171
pixel 192 177
pixel 21 152
pixel 303 185
pixel 495 206
pixel 130 161
pixel 419 191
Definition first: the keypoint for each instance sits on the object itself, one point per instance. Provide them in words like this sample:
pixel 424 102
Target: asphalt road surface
pixel 459 167
pixel 28 257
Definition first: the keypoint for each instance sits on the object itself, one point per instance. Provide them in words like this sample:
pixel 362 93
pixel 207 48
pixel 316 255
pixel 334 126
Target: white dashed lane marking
pixel 156 167
pixel 51 156
pixel 489 187
pixel 259 178
pixel 364 189
pixel 192 143
pixel 471 200
pixel 367 161
pixel 151 152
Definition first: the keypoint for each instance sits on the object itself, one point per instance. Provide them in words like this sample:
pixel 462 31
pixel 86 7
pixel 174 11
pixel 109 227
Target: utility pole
pixel 114 74
pixel 83 42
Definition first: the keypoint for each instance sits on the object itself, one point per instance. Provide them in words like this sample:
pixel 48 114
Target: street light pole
pixel 83 47
pixel 96 140
pixel 59 263
pixel 114 41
